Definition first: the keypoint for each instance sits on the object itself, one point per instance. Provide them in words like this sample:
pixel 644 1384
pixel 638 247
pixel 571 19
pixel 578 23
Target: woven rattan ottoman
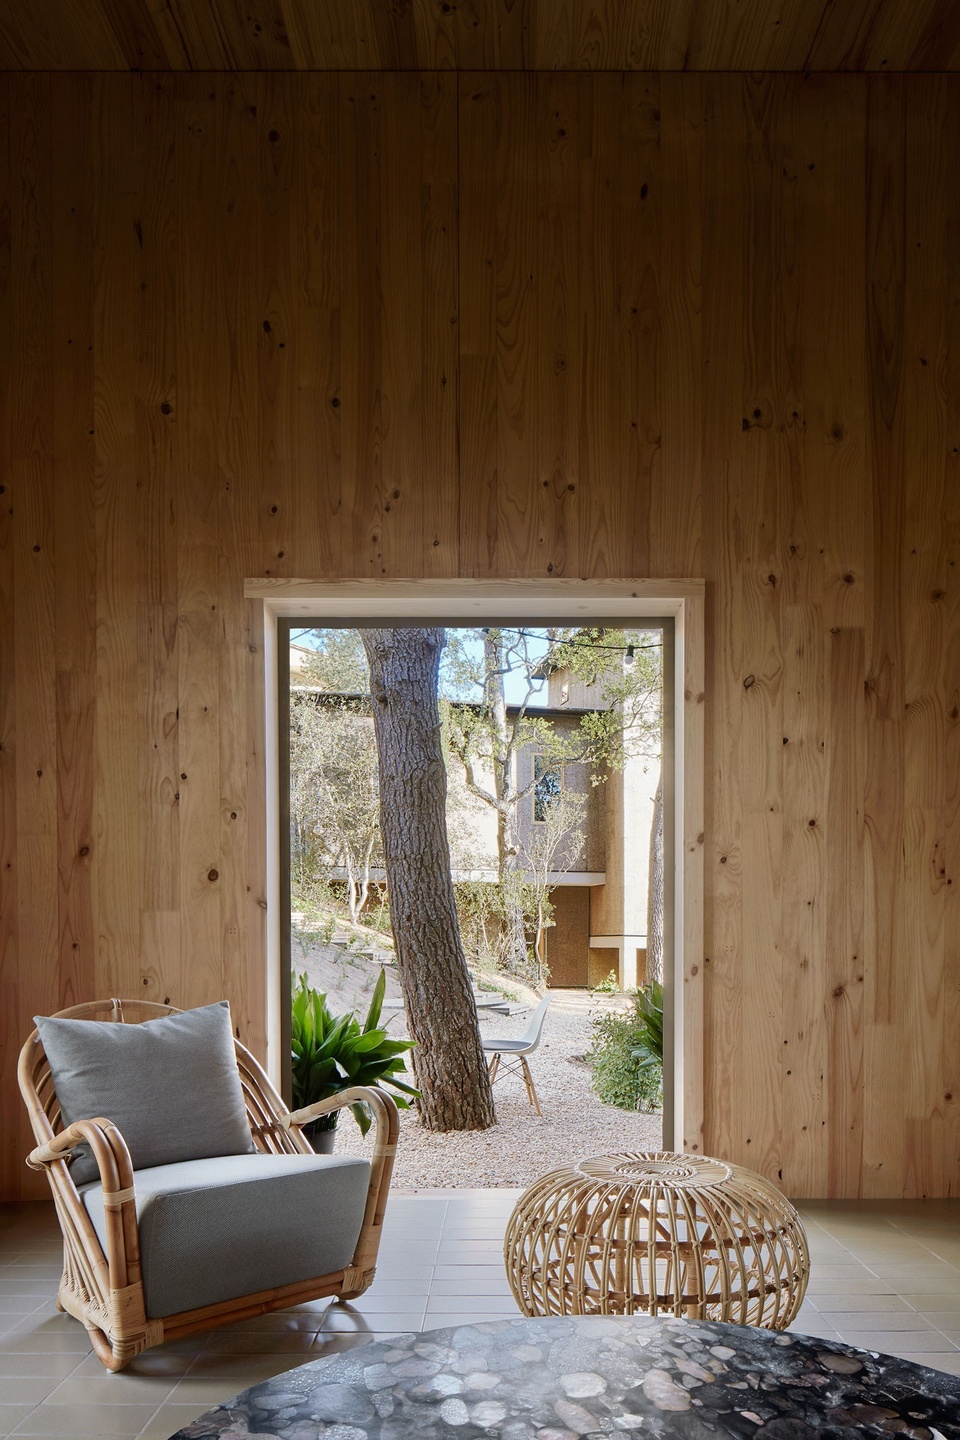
pixel 657 1234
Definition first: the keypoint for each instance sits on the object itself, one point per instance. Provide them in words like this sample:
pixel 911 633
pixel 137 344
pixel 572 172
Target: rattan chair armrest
pixel 107 1144
pixel 381 1102
pixel 381 1167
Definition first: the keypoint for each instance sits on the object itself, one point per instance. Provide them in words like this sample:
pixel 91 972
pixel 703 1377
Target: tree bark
pixel 655 891
pixel 450 1066
pixel 505 792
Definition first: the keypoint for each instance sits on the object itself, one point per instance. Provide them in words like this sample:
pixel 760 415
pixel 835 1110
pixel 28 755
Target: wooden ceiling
pixel 480 34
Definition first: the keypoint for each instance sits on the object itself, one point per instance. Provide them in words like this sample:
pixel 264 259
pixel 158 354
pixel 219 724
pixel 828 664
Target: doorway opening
pixel 672 613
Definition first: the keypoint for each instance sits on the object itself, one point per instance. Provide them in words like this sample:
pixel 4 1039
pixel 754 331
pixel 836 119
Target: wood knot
pixel 213 875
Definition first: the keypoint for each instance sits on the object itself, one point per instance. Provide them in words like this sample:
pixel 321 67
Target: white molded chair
pixel 518 1050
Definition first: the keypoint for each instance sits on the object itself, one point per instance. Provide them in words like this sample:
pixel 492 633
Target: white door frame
pixel 478 601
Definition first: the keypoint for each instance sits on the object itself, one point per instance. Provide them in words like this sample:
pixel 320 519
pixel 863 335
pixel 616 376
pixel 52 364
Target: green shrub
pixel 610 986
pixel 627 1053
pixel 331 1053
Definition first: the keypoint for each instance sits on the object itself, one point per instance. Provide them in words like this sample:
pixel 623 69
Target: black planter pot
pixel 322 1141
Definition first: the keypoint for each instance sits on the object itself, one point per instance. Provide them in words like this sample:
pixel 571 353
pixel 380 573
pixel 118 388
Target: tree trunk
pixel 450 1066
pixel 655 891
pixel 504 790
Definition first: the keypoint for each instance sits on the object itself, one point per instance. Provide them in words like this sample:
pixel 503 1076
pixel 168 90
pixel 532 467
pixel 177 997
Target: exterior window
pixel 548 782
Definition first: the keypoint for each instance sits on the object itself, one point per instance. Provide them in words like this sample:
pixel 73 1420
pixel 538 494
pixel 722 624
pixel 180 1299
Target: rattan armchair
pixel 102 1284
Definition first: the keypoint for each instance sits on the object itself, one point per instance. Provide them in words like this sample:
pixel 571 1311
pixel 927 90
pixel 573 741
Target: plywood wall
pixel 514 326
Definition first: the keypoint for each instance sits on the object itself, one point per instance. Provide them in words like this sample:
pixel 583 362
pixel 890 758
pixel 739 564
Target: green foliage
pixel 338 663
pixel 331 1053
pixel 627 1053
pixel 610 986
pixel 648 1002
pixel 482 910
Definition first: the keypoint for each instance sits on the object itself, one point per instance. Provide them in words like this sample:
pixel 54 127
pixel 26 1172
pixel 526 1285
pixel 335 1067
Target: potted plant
pixel 331 1053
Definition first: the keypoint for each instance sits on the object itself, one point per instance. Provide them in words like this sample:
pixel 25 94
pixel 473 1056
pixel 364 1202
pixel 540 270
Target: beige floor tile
pixel 848 1302
pixel 159 1362
pixel 946 1361
pixel 37 1342
pixel 280 1322
pixel 845 1320
pixel 61 1422
pixel 862 1285
pixel 897 1342
pixel 374 1303
pixel 899 1272
pixel 296 1343
pixel 484 1285
pixel 49 1367
pixel 169 1419
pixel 397 1321
pixel 240 1371
pixel 395 1268
pixel 446 1322
pixel 106 1389
pixel 929 1299
pixel 11 1416
pixel 26 1389
pixel 383 1285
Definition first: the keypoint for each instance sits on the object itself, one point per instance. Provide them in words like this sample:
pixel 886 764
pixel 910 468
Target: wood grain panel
pixel 885 221
pixel 361 321
pixel 723 309
pixel 639 205
pixel 948 1141
pixel 516 281
pixel 580 35
pixel 196 119
pixel 75 559
pixel 239 265
pixel 558 315
pixel 605 538
pixel 32 500
pixel 318 306
pixel 479 104
pixel 723 522
pixel 675 521
pixel 119 834
pixel 10 1011
pixel 403 310
pixel 156 428
pixel 440 292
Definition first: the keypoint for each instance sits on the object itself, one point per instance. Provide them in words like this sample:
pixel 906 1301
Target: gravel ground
pixel 522 1145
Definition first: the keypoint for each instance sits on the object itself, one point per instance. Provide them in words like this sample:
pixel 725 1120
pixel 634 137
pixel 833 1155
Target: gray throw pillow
pixel 171 1086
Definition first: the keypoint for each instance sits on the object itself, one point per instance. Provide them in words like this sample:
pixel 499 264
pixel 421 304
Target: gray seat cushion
pixel 171 1086
pixel 213 1230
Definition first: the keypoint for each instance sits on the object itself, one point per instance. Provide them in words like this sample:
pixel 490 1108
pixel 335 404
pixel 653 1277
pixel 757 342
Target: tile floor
pixel 885 1276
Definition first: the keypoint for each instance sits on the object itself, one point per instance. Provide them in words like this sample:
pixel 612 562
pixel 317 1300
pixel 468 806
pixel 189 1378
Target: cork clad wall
pixel 506 325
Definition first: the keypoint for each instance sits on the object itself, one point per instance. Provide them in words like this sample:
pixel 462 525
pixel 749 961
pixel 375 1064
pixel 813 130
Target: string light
pixel 626 650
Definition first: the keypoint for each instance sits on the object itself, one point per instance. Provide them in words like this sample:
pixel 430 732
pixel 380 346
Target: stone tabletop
pixel 560 1379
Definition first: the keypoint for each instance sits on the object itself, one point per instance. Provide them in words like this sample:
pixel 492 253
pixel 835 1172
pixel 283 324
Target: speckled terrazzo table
pixel 559 1379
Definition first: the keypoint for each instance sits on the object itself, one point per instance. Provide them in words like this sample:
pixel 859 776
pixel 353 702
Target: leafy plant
pixel 331 1053
pixel 627 1053
pixel 609 986
pixel 648 1002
